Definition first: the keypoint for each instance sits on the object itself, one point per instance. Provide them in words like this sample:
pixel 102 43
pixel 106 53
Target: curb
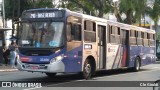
pixel 157 62
pixel 8 70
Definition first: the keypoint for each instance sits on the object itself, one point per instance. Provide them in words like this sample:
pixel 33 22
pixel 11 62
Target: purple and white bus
pixel 62 41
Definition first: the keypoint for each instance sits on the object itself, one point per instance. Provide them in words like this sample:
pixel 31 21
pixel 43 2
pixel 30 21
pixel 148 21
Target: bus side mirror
pixel 72 29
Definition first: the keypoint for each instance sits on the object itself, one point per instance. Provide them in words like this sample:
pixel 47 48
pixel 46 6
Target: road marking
pixel 8 70
pixel 155 67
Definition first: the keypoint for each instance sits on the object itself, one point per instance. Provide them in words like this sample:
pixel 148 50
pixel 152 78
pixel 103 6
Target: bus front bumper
pixel 55 67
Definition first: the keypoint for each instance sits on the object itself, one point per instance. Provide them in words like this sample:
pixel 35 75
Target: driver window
pixel 73 29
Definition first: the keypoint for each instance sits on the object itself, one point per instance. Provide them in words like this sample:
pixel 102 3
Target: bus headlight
pixel 60 57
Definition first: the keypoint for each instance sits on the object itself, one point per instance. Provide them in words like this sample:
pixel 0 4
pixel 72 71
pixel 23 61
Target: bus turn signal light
pixel 24 59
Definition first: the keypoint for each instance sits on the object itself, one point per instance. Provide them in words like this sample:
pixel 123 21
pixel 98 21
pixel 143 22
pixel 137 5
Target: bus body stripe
pixel 116 57
pixel 124 58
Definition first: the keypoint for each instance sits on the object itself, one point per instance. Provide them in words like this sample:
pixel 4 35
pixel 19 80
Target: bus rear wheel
pixel 136 64
pixel 51 74
pixel 87 70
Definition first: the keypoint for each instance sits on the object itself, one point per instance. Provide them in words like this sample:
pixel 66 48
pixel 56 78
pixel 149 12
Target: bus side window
pixel 133 36
pixel 118 37
pixel 113 34
pixel 148 38
pixel 151 40
pixel 108 33
pixel 89 31
pixel 142 36
pixel 139 38
pixel 145 40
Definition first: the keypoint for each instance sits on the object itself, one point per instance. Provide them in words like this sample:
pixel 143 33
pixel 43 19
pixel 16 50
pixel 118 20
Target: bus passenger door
pixel 124 47
pixel 102 46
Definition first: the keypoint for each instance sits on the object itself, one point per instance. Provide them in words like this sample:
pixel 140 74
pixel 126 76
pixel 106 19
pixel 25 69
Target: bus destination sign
pixel 42 14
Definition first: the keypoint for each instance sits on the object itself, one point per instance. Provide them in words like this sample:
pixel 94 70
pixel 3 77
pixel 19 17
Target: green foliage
pixel 126 5
pixel 140 8
pixel 133 9
pixel 43 4
pixel 158 36
pixel 91 7
pixel 13 9
pixel 8 8
pixel 154 12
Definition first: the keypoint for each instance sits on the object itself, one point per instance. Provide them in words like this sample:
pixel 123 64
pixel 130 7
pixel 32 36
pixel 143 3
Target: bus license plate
pixel 34 67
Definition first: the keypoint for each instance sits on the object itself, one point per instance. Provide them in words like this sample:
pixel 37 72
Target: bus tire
pixel 136 64
pixel 87 69
pixel 51 74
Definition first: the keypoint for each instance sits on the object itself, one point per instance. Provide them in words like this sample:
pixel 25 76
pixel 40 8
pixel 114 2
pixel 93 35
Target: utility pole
pixel 33 4
pixel 18 15
pixel 13 17
pixel 3 17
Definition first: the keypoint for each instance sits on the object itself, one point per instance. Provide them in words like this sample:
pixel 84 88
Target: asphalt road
pixel 110 80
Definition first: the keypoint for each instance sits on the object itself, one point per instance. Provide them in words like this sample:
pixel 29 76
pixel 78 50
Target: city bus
pixel 55 41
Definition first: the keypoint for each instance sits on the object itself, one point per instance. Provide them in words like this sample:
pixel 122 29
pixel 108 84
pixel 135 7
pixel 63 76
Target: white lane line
pixel 156 67
pixel 8 70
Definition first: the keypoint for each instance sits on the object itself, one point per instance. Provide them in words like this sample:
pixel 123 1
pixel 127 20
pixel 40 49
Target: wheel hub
pixel 137 66
pixel 87 68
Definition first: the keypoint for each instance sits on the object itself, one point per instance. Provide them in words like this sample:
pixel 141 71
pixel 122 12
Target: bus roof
pixel 42 9
pixel 130 27
pixel 93 18
pixel 118 24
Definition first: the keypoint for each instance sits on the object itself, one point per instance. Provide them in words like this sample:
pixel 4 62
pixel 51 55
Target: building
pixel 1 23
pixel 7 25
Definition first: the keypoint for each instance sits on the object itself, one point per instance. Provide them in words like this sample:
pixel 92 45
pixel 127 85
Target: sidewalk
pixel 4 68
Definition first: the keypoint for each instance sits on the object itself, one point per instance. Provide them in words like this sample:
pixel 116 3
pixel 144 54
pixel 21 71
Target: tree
pixel 42 4
pixel 133 9
pixel 14 8
pixel 140 10
pixel 154 12
pixel 91 7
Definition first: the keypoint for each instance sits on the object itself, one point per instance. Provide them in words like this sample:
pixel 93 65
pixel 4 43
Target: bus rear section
pixel 129 46
pixel 142 46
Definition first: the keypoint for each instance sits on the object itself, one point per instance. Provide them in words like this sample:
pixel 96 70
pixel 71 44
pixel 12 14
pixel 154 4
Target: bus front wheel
pixel 87 70
pixel 51 74
pixel 137 64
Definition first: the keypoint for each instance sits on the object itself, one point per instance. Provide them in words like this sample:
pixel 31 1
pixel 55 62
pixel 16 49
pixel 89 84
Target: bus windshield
pixel 42 34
